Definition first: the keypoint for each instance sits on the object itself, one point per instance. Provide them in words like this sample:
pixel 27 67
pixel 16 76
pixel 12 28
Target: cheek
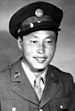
pixel 28 50
pixel 50 51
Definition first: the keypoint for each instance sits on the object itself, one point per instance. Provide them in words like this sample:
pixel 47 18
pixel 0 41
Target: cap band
pixel 37 22
pixel 38 26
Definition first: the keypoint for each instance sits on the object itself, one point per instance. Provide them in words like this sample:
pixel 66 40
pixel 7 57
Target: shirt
pixel 31 76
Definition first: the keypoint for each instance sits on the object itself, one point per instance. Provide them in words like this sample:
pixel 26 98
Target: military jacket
pixel 17 94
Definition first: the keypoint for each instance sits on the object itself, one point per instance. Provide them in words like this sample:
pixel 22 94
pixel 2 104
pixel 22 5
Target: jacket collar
pixel 53 86
pixel 21 84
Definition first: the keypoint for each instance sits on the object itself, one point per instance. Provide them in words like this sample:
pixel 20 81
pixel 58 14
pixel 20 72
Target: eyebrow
pixel 46 37
pixel 34 36
pixel 49 36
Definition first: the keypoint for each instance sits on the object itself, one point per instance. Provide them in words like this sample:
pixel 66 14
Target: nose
pixel 41 48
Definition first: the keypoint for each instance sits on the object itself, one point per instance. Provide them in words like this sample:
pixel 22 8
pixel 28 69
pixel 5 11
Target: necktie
pixel 37 87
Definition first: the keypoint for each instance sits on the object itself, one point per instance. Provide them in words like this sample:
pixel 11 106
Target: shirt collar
pixel 31 75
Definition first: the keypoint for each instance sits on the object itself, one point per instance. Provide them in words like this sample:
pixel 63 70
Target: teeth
pixel 40 59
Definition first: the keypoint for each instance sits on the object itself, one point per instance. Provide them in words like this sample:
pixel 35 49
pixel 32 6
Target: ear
pixel 19 41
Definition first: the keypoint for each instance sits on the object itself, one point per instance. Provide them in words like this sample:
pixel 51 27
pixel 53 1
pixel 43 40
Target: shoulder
pixel 4 71
pixel 63 76
pixel 4 79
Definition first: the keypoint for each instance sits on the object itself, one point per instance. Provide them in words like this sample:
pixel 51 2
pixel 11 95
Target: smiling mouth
pixel 40 59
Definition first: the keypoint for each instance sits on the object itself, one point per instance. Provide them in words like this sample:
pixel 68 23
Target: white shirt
pixel 31 76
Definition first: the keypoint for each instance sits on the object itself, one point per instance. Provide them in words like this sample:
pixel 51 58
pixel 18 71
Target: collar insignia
pixel 17 75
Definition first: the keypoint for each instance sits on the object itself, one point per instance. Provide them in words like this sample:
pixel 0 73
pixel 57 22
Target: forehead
pixel 42 34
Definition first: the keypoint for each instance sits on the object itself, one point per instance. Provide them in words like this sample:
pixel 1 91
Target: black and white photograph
pixel 37 55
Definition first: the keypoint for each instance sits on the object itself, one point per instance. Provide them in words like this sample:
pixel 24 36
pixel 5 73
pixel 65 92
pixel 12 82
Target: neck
pixel 36 72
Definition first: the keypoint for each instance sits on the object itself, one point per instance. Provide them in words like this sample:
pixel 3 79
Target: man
pixel 31 84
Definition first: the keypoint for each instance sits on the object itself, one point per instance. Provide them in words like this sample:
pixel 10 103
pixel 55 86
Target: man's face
pixel 38 49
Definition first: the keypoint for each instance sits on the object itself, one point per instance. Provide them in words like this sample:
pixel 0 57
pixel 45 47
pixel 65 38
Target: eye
pixel 48 41
pixel 34 41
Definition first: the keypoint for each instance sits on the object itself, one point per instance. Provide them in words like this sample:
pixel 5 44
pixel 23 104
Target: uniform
pixel 17 94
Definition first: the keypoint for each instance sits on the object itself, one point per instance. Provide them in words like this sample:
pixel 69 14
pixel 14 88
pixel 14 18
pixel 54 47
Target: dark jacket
pixel 17 94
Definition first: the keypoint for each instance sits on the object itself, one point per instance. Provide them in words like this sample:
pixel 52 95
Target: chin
pixel 39 67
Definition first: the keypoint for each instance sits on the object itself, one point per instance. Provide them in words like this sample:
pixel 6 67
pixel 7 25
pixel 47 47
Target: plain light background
pixel 65 53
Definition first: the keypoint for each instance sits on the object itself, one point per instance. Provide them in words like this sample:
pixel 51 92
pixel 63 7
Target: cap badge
pixel 39 12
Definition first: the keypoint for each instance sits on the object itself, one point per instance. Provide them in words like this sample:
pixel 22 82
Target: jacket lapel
pixel 21 84
pixel 52 87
